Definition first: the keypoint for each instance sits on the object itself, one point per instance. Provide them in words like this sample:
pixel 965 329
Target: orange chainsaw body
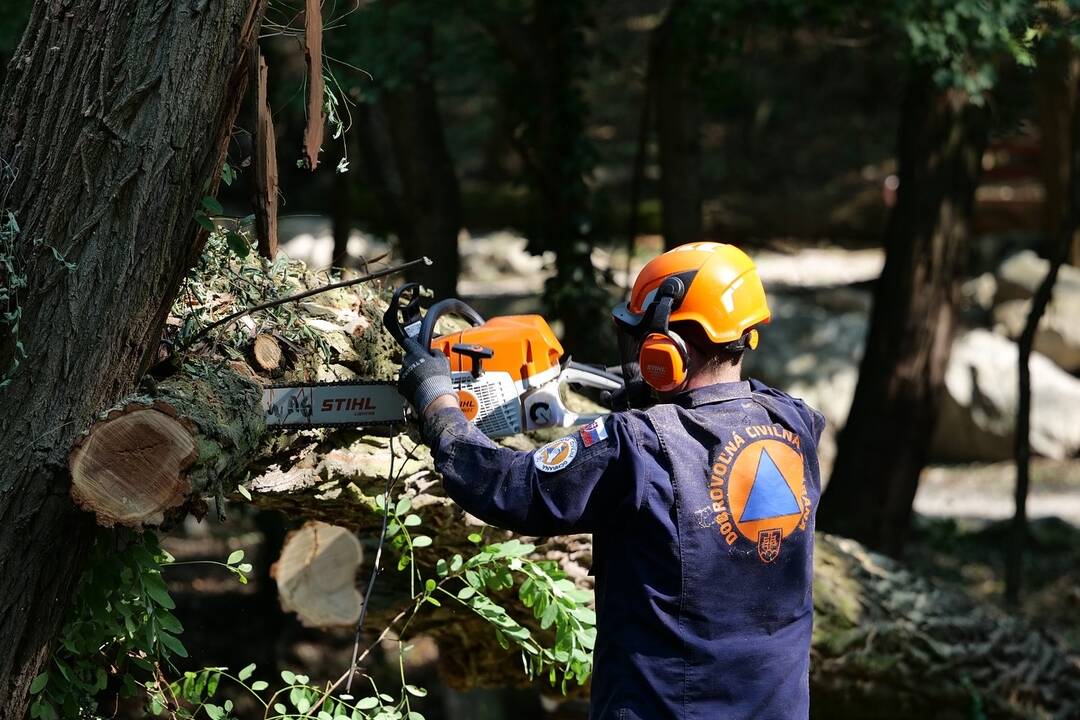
pixel 524 346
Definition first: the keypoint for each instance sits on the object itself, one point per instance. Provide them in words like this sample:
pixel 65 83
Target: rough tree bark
pixel 116 114
pixel 884 638
pixel 678 128
pixel 883 447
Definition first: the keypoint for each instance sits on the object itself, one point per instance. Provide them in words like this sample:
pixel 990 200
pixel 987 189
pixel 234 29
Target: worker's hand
pixel 424 376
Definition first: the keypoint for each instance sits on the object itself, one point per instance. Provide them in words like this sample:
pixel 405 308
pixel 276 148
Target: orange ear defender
pixel 663 360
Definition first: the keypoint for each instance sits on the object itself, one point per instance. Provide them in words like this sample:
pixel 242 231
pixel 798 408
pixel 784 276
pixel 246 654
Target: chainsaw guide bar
pixel 343 403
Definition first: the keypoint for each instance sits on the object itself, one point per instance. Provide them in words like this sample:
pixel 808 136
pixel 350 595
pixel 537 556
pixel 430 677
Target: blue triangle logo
pixel 770 495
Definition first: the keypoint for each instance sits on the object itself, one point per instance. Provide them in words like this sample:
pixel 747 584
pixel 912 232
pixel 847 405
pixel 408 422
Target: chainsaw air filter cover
pixel 524 347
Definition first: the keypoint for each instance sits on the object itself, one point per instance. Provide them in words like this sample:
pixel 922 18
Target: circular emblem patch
pixel 468 403
pixel 758 489
pixel 555 455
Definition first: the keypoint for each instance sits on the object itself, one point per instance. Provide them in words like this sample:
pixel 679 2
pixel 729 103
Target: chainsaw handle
pixel 445 307
pixel 403 312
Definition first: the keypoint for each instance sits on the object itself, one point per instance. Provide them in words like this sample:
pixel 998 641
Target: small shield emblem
pixel 768 544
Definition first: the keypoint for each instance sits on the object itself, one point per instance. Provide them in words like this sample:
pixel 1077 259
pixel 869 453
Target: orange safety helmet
pixel 711 284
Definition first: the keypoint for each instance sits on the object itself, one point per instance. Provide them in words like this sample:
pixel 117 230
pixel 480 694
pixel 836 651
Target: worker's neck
pixel 714 376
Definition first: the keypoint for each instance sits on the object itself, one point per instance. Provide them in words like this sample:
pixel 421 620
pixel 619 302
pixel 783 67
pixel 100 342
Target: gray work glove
pixel 424 376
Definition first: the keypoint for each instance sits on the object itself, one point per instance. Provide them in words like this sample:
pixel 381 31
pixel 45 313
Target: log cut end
pixel 266 352
pixel 129 469
pixel 316 575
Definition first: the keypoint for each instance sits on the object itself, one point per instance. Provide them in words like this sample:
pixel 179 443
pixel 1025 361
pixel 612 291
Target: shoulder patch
pixel 556 455
pixel 593 433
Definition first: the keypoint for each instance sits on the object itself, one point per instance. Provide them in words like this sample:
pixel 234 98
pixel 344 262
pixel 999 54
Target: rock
pixel 978 413
pixel 1058 334
pixel 1020 275
pixel 812 348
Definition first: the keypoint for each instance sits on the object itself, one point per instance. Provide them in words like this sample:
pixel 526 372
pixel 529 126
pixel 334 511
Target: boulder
pixel 1019 276
pixel 978 413
pixel 1058 334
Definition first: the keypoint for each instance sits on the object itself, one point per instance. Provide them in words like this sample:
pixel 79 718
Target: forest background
pixel 903 173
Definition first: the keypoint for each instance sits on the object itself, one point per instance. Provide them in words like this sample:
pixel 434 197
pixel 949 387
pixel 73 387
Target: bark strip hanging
pixel 313 31
pixel 266 170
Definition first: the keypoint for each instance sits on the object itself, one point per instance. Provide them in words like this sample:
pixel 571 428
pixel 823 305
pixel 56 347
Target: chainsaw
pixel 509 374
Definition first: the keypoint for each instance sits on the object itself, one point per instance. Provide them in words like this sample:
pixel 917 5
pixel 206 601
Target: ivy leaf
pixel 212 206
pixel 38 683
pixel 238 244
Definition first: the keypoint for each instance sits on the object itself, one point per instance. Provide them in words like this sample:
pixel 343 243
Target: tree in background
pixel 546 53
pixel 117 116
pixel 944 123
pixel 406 157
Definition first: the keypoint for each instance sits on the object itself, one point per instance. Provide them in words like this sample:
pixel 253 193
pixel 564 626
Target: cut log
pixel 131 468
pixel 316 575
pixel 266 352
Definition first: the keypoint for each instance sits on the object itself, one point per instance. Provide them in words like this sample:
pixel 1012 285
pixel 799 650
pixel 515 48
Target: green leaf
pixel 173 643
pixel 421 541
pixel 155 588
pixel 169 622
pixel 441 568
pixel 205 222
pixel 402 506
pixel 212 206
pixel 417 691
pixel 412 520
pixel 244 567
pixel 244 491
pixel 213 711
pixel 38 683
pixel 288 677
pixel 246 672
pixel 238 244
pixel 476 538
pixel 367 703
pixel 259 685
pixel 413 715
pixel 465 593
pixel 429 585
pixel 280 709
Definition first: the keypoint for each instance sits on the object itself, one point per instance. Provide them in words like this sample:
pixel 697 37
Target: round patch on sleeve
pixel 555 455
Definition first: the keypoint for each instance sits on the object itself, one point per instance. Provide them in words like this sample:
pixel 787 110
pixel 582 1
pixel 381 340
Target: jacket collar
pixel 721 392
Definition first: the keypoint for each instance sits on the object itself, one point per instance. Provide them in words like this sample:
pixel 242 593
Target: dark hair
pixel 716 356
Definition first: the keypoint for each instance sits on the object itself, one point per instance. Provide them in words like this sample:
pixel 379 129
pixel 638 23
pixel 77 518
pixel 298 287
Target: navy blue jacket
pixel 702 514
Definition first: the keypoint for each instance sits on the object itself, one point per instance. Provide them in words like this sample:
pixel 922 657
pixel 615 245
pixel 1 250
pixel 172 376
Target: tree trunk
pixel 430 193
pixel 1056 77
pixel 884 445
pixel 117 113
pixel 678 129
pixel 548 52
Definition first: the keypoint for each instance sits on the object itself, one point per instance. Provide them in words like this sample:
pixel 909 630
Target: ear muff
pixel 663 361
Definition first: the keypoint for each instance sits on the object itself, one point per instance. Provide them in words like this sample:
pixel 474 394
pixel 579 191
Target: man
pixel 701 505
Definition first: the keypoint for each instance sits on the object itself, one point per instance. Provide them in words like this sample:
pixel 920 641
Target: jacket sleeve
pixel 567 486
